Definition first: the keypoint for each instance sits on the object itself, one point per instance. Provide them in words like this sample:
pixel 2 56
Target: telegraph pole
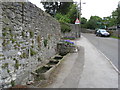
pixel 80 20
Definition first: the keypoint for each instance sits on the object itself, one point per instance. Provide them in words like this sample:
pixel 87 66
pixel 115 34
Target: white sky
pixel 102 8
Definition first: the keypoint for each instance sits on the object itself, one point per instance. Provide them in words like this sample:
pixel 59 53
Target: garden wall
pixel 114 33
pixel 74 31
pixel 28 38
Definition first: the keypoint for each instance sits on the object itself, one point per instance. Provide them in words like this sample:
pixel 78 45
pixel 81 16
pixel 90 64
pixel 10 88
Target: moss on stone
pixel 4 34
pixel 39 41
pixel 31 34
pixel 45 42
pixel 32 52
pixel 5 65
pixel 17 64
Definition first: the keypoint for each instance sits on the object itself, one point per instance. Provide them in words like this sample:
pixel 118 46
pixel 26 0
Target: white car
pixel 102 32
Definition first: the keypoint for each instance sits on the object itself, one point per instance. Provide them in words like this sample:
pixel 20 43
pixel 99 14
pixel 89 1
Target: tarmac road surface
pixel 108 46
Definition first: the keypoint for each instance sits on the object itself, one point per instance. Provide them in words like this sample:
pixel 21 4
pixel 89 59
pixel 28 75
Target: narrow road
pixel 108 46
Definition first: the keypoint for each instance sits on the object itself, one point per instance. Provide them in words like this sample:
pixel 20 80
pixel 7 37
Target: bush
pixel 62 18
pixel 65 27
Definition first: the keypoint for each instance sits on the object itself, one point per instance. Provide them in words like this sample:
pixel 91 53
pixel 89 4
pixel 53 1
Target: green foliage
pixel 17 64
pixel 23 34
pixel 4 34
pixel 93 22
pixel 23 47
pixel 65 11
pixel 72 14
pixel 11 35
pixel 23 55
pixel 2 58
pixel 13 40
pixel 5 65
pixel 62 18
pixel 32 41
pixel 118 18
pixel 115 37
pixel 14 59
pixel 39 41
pixel 1 55
pixel 65 27
pixel 68 17
pixel 5 42
pixel 32 46
pixel 64 7
pixel 68 38
pixel 68 43
pixel 31 34
pixel 39 59
pixel 8 70
pixel 7 28
pixel 17 44
pixel 83 22
pixel 13 83
pixel 45 42
pixel 112 20
pixel 59 7
pixel 32 52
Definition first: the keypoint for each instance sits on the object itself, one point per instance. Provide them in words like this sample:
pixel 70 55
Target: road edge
pixel 114 67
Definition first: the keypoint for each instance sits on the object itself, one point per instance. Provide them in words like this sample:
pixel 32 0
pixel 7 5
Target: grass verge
pixel 115 37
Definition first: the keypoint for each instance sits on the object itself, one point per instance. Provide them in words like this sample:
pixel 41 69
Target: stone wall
pixel 74 31
pixel 28 38
pixel 114 33
pixel 84 30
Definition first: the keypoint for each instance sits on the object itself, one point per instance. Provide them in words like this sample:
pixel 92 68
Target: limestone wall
pixel 75 30
pixel 28 39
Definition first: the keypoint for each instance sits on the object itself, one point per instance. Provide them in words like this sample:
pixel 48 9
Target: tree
pixel 72 14
pixel 62 11
pixel 69 17
pixel 118 18
pixel 64 7
pixel 111 20
pixel 50 7
pixel 57 7
pixel 62 18
pixel 83 22
pixel 94 22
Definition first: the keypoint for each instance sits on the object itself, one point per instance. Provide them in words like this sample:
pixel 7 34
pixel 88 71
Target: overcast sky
pixel 102 8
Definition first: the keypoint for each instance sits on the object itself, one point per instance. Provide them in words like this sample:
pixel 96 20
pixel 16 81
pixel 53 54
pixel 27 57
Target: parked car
pixel 102 32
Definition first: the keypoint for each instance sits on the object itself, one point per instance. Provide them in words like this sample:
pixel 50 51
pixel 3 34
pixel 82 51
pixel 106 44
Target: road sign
pixel 77 21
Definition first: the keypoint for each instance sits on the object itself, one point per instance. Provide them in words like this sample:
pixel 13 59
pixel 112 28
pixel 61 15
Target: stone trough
pixel 58 57
pixel 44 72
